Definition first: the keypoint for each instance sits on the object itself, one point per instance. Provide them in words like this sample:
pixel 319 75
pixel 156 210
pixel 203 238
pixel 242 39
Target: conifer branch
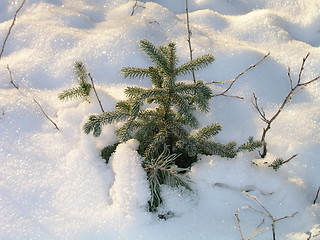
pixel 250 145
pixel 207 132
pixel 317 195
pixel 84 87
pixel 155 54
pixel 294 89
pixel 195 64
pixel 97 121
pixel 232 81
pixel 10 28
pixel 71 93
pixel 134 72
pixel 94 89
pixel 279 162
pixel 189 40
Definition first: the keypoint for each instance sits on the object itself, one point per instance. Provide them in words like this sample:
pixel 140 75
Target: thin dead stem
pixel 232 81
pixel 189 38
pixel 135 6
pixel 294 89
pixel 44 113
pixel 34 100
pixel 254 233
pixel 317 195
pixel 264 212
pixel 10 28
pixel 94 89
pixel 290 158
pixel 11 78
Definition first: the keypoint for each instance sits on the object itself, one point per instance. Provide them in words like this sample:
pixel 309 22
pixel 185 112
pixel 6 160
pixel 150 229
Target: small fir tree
pixel 164 131
pixel 84 88
pixel 170 122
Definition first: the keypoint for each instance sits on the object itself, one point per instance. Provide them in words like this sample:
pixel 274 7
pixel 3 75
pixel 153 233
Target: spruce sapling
pixel 170 122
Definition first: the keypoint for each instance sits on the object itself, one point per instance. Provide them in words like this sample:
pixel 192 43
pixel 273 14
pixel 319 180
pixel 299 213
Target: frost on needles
pixel 171 120
pixel 167 129
pixel 84 87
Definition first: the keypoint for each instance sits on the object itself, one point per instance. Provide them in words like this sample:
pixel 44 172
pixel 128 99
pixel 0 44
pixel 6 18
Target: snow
pixel 54 185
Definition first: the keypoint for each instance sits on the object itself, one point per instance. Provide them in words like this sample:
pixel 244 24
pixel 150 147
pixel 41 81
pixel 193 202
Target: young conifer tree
pixel 84 87
pixel 171 120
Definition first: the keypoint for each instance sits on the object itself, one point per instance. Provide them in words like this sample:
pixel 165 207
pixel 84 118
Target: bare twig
pixel 248 188
pixel 254 233
pixel 265 212
pixel 189 38
pixel 290 158
pixel 94 89
pixel 294 89
pixel 37 103
pixel 317 195
pixel 44 113
pixel 232 81
pixel 2 113
pixel 10 28
pixel 11 79
pixel 135 6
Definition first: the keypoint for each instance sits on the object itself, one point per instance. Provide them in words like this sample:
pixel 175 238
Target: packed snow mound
pixel 54 184
pixel 130 190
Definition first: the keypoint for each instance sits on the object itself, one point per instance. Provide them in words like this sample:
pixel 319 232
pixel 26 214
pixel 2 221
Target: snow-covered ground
pixel 54 185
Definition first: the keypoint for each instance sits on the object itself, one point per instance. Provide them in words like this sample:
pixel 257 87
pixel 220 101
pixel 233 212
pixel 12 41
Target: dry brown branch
pixel 2 113
pixel 135 6
pixel 317 195
pixel 232 81
pixel 290 158
pixel 34 100
pixel 10 28
pixel 265 212
pixel 248 188
pixel 11 78
pixel 189 39
pixel 294 89
pixel 254 233
pixel 44 113
pixel 94 89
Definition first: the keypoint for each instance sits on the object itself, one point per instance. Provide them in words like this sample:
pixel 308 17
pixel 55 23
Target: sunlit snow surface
pixel 54 185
